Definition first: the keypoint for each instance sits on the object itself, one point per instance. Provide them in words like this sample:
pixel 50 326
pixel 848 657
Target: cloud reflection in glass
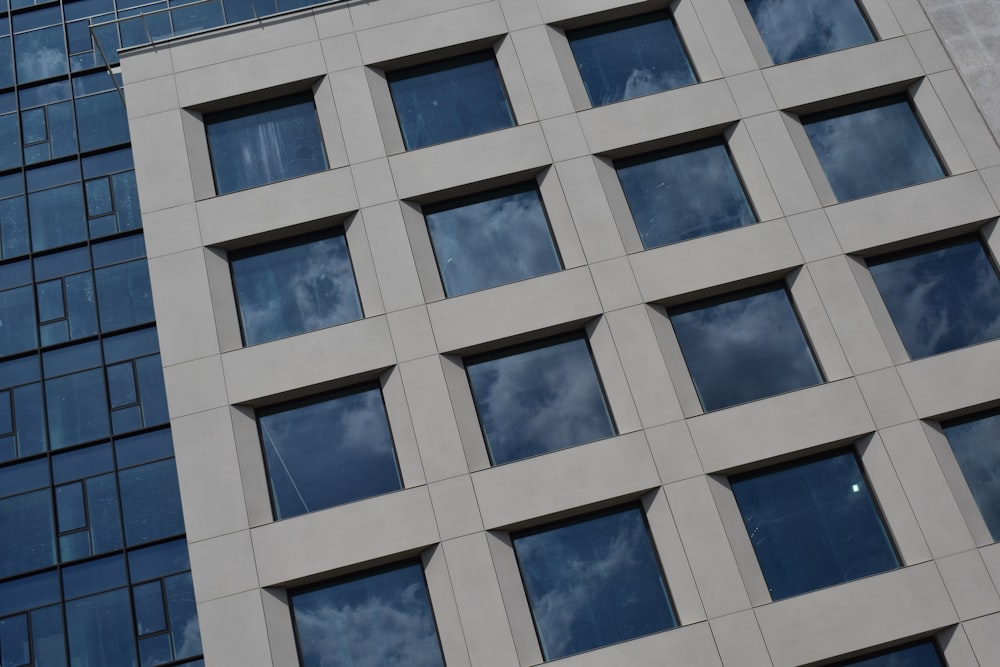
pixel 794 29
pixel 976 444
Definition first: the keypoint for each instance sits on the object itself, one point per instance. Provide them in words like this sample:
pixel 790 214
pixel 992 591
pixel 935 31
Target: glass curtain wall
pixel 94 566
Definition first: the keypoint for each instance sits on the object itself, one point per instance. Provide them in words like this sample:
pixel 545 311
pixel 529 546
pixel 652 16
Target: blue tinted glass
pixel 794 29
pixel 328 452
pixel 941 299
pixel 82 463
pixel 10 142
pixel 158 561
pixel 155 650
pixel 451 99
pixel 57 217
pixel 14 642
pixel 743 347
pixel 13 227
pixel 124 295
pixel 105 518
pixel 29 419
pixel 77 408
pixel 684 193
pixel 17 321
pixel 29 592
pixel 976 444
pixel 813 524
pixel 152 390
pixel 143 448
pixel 923 654
pixel 126 201
pixel 94 576
pixel 296 287
pixel 630 58
pixel 539 398
pixel 29 518
pixel 491 240
pixel 593 582
pixel 70 508
pixel 872 147
pixel 47 637
pixel 184 632
pixel 151 502
pixel 102 120
pixel 264 143
pixel 100 630
pixel 382 619
pixel 40 54
pixel 149 612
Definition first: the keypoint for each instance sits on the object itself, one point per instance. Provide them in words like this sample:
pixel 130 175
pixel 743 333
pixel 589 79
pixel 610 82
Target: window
pixel 813 524
pixel 265 142
pixel 377 618
pixel 294 286
pixel 683 193
pixel 872 147
pixel 491 239
pixel 924 654
pixel 976 444
pixel 449 99
pixel 538 398
pixel 629 58
pixel 328 451
pixel 940 298
pixel 592 582
pixel 794 29
pixel 744 346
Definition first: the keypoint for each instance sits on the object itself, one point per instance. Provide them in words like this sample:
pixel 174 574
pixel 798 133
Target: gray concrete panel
pixel 233 631
pixel 969 585
pixel 954 380
pixel 691 646
pixel 223 566
pixel 740 641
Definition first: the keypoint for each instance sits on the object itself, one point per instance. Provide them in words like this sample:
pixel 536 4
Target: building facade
pixel 500 332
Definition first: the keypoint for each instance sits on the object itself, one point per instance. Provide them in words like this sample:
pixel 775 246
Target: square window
pixel 379 618
pixel 593 582
pixel 630 58
pixel 683 193
pixel 872 147
pixel 940 298
pixel 449 99
pixel 794 29
pixel 976 445
pixel 813 524
pixel 264 143
pixel 298 285
pixel 491 239
pixel 328 451
pixel 538 398
pixel 924 654
pixel 744 346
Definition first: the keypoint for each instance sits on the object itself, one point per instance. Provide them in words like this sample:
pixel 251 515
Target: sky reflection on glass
pixel 264 143
pixel 296 287
pixel 684 193
pixel 538 398
pixel 923 654
pixel 375 620
pixel 794 29
pixel 813 524
pixel 328 452
pixel 451 99
pixel 491 240
pixel 976 444
pixel 941 299
pixel 593 582
pixel 872 147
pixel 743 347
pixel 630 58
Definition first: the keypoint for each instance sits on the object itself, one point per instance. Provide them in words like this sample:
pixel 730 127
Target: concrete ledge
pixel 954 380
pixel 691 646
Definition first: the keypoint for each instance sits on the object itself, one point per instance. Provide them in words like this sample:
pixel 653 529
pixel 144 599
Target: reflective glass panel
pixel 593 582
pixel 28 517
pixel 683 193
pixel 77 408
pixel 17 320
pixel 451 99
pixel 492 239
pixel 151 502
pixel 297 286
pixel 924 654
pixel 57 217
pixel 813 524
pixel 40 54
pixel 100 630
pixel 794 29
pixel 329 451
pixel 538 398
pixel 976 444
pixel 383 619
pixel 264 143
pixel 630 58
pixel 744 346
pixel 872 147
pixel 941 298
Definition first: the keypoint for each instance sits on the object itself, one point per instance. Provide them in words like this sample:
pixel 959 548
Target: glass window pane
pixel 17 321
pixel 105 518
pixel 976 444
pixel 492 239
pixel 451 99
pixel 124 295
pixel 29 517
pixel 70 507
pixel 184 631
pixel 294 287
pixel 151 502
pixel 329 451
pixel 593 582
pixel 538 398
pixel 57 217
pixel 872 147
pixel 794 29
pixel 47 637
pixel 82 309
pixel 941 298
pixel 77 408
pixel 29 419
pixel 126 201
pixel 924 654
pixel 266 142
pixel 102 120
pixel 13 227
pixel 743 347
pixel 152 390
pixel 149 612
pixel 684 193
pixel 98 196
pixel 15 648
pixel 813 524
pixel 100 630
pixel 40 54
pixel 382 619
pixel 630 58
